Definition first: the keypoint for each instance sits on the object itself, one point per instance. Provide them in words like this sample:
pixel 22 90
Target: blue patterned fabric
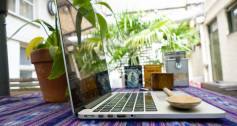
pixel 30 109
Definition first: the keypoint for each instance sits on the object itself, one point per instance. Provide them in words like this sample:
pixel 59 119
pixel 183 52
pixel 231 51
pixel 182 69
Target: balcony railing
pixel 24 83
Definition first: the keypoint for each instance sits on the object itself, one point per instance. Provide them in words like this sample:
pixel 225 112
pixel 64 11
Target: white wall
pixel 196 68
pixel 13 22
pixel 13 59
pixel 228 47
pixel 32 30
pixel 213 8
pixel 228 41
pixel 206 58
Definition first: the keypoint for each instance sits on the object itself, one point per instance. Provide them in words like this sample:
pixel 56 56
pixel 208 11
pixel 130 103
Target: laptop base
pixel 164 111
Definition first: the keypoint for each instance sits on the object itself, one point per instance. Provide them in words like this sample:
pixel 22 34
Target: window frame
pixel 26 71
pixel 230 16
pixel 27 61
pixel 11 11
pixel 17 9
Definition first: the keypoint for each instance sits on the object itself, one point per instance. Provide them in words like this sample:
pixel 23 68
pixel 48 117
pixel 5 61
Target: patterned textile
pixel 30 109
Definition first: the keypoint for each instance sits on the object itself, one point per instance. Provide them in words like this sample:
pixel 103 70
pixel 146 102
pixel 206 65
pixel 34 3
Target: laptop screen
pixel 86 66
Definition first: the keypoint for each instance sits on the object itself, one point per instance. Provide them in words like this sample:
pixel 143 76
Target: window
pixel 23 8
pixel 26 8
pixel 232 17
pixel 25 74
pixel 23 59
pixel 11 5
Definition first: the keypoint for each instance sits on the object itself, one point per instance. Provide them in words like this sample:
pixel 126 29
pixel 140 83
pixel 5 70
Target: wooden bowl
pixel 184 102
pixel 181 101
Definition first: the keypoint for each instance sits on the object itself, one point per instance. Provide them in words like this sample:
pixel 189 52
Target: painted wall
pixel 13 58
pixel 228 47
pixel 196 69
pixel 228 41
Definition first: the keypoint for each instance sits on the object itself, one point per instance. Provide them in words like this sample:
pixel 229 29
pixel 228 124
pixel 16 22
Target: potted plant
pixel 46 55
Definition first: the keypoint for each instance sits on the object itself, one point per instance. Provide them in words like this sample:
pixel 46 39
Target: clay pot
pixel 52 90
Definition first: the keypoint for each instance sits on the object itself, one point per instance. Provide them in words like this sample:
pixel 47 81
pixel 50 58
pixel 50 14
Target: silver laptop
pixel 89 86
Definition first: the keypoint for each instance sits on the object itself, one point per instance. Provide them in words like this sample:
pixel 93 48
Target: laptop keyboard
pixel 119 106
pixel 139 107
pixel 128 102
pixel 149 103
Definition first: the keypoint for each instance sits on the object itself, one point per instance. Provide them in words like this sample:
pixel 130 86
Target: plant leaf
pixel 38 21
pixel 52 39
pixel 75 2
pixel 41 46
pixel 79 2
pixel 33 44
pixel 88 12
pixel 78 27
pixel 106 5
pixel 93 39
pixel 103 25
pixel 18 30
pixel 159 24
pixel 58 68
pixel 53 51
pixel 42 22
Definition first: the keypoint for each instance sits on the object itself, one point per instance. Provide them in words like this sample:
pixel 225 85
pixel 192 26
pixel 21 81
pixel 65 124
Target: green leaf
pixel 58 68
pixel 106 5
pixel 88 12
pixel 18 30
pixel 42 22
pixel 41 46
pixel 93 39
pixel 80 2
pixel 33 44
pixel 102 24
pixel 53 51
pixel 52 39
pixel 159 24
pixel 75 2
pixel 38 21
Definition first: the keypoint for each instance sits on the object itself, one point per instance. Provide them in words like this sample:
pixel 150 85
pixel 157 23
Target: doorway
pixel 215 51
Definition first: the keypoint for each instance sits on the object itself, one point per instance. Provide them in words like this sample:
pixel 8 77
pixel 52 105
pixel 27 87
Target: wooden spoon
pixel 182 101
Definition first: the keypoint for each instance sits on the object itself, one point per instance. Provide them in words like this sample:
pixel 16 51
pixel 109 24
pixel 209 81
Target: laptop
pixel 88 81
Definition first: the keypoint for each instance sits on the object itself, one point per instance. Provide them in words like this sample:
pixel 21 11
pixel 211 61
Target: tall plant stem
pixel 78 27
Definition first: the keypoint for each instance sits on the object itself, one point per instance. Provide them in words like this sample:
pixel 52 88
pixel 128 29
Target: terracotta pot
pixel 52 90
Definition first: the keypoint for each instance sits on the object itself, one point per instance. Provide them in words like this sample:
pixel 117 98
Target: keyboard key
pixel 139 103
pixel 121 103
pixel 149 103
pixel 108 103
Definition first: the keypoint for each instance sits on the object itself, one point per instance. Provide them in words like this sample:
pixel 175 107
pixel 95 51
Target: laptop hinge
pixel 97 101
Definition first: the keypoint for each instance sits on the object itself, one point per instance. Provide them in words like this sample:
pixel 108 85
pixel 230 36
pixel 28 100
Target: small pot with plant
pixel 46 55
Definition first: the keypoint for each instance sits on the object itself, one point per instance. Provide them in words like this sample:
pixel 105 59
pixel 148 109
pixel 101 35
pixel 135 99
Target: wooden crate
pixel 162 80
pixel 148 69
